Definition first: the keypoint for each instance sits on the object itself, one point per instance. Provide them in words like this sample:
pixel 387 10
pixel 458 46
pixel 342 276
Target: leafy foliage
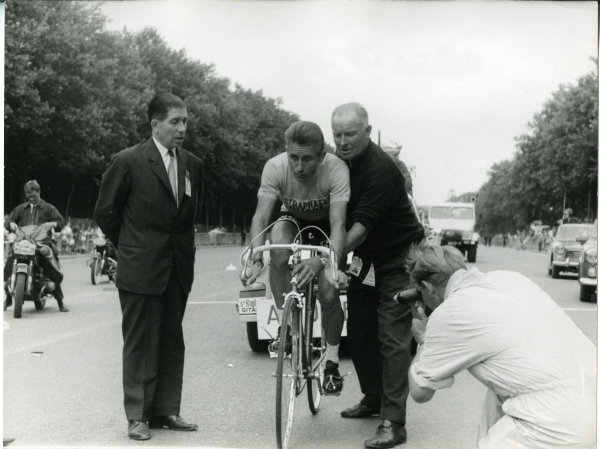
pixel 558 157
pixel 77 94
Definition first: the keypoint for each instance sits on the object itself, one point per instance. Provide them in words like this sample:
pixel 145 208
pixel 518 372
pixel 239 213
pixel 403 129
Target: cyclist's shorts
pixel 310 236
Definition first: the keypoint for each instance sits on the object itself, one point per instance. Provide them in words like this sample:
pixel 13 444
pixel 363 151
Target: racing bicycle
pixel 301 352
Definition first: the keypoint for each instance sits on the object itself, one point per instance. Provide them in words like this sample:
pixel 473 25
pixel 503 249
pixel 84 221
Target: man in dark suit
pixel 149 200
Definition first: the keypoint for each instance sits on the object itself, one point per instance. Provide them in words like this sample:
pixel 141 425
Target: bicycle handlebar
pixel 295 247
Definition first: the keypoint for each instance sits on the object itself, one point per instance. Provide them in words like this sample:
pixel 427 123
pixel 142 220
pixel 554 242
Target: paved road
pixel 62 371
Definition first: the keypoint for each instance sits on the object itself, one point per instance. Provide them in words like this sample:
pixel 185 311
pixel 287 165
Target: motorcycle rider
pixel 37 212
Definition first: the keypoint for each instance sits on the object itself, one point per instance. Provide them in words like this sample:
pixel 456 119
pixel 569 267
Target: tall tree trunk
pixel 220 211
pixel 207 209
pixel 233 219
pixel 70 196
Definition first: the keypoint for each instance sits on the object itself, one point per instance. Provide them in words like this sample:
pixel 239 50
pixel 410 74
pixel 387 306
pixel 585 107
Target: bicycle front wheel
pixel 289 372
pixel 315 348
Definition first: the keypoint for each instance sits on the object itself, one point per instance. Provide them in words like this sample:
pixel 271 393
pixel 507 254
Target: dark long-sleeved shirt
pixel 42 212
pixel 378 201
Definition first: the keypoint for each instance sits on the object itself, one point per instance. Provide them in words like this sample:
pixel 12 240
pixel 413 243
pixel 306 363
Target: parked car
pixel 588 267
pixel 566 248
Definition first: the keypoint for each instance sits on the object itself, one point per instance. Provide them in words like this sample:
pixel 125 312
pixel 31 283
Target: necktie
pixel 172 174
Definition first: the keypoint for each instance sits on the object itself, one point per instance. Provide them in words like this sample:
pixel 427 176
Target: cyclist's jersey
pixel 306 200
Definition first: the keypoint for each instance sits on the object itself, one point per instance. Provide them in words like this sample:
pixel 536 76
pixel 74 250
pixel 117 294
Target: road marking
pixel 212 302
pixel 62 337
pixel 216 295
pixel 580 310
pixel 37 446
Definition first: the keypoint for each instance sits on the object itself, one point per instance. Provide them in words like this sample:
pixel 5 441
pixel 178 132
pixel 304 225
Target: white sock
pixel 331 353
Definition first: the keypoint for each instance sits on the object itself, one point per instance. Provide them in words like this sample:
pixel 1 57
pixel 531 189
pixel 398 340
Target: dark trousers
pixel 379 338
pixel 153 351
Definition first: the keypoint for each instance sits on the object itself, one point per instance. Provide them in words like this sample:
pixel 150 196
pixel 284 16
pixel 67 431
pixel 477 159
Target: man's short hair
pixel 32 186
pixel 161 104
pixel 305 134
pixel 433 263
pixel 356 108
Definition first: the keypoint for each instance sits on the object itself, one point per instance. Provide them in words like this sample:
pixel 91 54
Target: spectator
pixel 66 236
pixel 541 383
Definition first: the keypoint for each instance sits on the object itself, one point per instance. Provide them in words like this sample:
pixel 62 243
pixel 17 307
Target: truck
pixel 454 223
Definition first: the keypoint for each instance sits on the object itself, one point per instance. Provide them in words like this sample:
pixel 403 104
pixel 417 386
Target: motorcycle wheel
pixel 96 271
pixel 40 303
pixel 19 294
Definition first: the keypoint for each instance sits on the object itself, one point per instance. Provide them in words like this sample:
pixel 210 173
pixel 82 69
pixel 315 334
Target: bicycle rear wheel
pixel 289 372
pixel 315 348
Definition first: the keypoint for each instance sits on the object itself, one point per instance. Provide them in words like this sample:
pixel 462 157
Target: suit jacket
pixel 136 210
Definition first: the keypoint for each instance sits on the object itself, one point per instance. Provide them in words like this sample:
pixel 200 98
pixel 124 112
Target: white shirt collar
pixel 456 276
pixel 162 149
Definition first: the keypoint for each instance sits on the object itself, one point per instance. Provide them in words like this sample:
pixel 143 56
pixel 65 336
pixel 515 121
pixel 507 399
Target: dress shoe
pixel 359 411
pixel 62 307
pixel 387 436
pixel 173 422
pixel 138 430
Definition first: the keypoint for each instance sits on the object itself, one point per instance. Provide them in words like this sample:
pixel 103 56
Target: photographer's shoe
pixel 387 436
pixel 332 381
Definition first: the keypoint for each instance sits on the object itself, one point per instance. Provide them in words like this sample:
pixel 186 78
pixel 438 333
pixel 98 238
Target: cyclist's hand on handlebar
pixel 252 272
pixel 12 226
pixel 342 279
pixel 49 225
pixel 307 270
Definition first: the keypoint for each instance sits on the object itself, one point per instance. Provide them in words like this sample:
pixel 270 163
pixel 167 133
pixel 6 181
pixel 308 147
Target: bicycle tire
pixel 315 347
pixel 289 372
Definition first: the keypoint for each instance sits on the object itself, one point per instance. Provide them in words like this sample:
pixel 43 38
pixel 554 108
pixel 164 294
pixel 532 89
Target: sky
pixel 453 83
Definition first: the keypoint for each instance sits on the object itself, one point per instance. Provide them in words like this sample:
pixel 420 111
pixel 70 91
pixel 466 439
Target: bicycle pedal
pixel 337 393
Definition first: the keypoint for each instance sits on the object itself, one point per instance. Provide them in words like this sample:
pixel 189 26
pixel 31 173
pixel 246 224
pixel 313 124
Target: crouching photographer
pixel 511 336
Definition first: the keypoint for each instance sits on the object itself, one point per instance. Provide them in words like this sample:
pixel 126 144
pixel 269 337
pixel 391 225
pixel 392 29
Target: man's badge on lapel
pixel 188 184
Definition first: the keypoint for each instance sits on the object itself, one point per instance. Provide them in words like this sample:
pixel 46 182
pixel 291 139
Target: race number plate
pixel 247 303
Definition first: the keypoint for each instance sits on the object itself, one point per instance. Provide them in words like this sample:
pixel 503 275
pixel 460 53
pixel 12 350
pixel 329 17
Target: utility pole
pixel 379 138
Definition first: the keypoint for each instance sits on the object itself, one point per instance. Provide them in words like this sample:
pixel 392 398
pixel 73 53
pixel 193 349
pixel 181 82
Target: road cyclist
pixel 314 187
pixel 301 350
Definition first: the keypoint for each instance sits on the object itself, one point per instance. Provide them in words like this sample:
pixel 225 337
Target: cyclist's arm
pixel 337 222
pixel 355 237
pixel 262 215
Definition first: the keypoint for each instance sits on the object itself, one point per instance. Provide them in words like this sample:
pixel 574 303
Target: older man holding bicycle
pixel 314 187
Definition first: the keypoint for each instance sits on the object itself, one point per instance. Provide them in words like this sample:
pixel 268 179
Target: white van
pixel 455 224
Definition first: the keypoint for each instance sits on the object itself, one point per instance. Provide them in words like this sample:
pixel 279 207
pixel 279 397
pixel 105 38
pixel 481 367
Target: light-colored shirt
pixel 538 365
pixel 164 153
pixel 308 200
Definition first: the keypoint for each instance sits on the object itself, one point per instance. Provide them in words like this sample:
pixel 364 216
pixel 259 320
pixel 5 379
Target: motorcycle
pixel 104 261
pixel 31 266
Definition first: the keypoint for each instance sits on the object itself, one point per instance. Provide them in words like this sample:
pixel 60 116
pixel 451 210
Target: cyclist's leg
pixel 279 272
pixel 333 321
pixel 331 309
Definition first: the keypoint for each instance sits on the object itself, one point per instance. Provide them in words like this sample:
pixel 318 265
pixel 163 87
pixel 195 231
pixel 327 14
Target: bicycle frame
pixel 294 376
